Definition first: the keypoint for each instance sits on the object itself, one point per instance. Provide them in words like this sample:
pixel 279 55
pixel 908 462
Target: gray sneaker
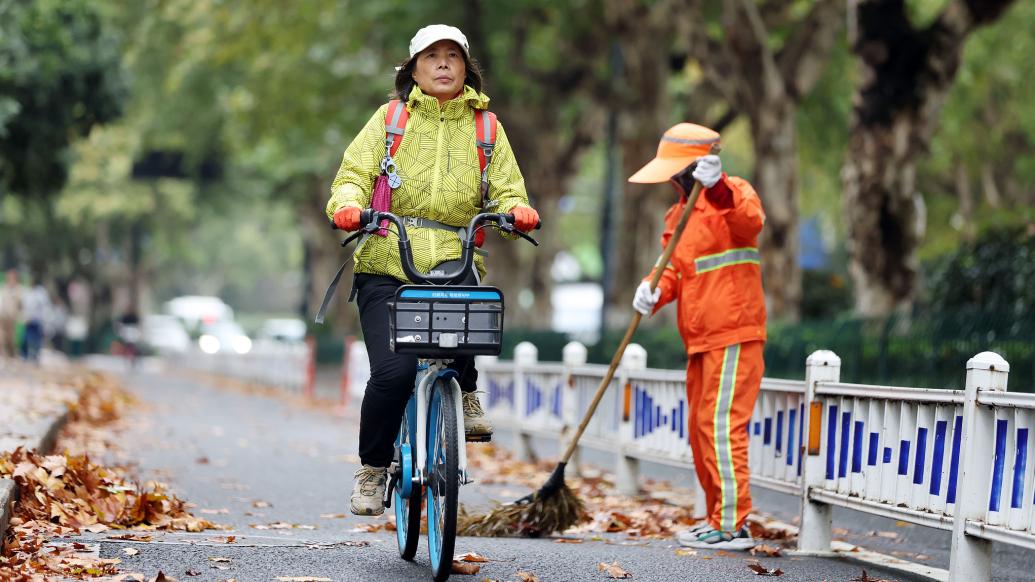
pixel 713 539
pixel 475 423
pixel 690 535
pixel 368 491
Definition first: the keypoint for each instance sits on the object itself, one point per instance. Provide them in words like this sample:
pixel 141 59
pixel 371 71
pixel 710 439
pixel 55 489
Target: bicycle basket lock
pixel 441 322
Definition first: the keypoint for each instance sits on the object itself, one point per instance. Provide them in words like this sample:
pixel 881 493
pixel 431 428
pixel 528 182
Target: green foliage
pixel 995 275
pixel 825 295
pixel 59 76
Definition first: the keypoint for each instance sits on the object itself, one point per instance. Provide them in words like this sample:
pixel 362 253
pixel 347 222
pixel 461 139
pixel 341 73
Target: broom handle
pixel 659 269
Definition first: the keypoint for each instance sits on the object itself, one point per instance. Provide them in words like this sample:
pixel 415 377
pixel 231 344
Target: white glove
pixel 644 300
pixel 708 170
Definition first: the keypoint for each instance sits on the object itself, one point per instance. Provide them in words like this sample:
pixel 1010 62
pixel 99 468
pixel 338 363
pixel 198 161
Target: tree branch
pixel 772 81
pixel 803 57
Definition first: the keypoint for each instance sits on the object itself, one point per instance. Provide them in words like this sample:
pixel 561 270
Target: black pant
pixel 391 375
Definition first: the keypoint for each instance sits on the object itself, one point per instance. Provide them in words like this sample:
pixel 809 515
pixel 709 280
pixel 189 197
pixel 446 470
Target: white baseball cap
pixel 433 33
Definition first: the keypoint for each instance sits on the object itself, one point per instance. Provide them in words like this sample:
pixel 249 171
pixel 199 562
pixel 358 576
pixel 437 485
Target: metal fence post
pixel 971 557
pixel 574 356
pixel 526 356
pixel 627 468
pixel 814 533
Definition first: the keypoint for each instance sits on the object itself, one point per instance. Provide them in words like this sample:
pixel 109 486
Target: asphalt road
pixel 247 460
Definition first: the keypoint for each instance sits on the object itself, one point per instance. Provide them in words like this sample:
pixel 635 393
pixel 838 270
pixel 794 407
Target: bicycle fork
pixel 431 374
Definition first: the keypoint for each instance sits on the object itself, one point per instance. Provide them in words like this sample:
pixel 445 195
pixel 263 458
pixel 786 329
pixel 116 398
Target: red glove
pixel 479 238
pixel 347 218
pixel 525 218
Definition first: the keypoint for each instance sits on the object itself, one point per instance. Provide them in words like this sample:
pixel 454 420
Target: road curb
pixel 861 555
pixel 43 442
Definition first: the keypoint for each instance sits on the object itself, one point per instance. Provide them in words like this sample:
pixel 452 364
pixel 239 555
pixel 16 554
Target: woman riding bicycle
pixel 438 190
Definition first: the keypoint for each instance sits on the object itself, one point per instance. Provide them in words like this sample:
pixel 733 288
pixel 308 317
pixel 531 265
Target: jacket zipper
pixel 437 181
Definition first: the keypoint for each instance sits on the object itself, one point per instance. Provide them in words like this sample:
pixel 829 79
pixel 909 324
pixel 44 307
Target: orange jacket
pixel 715 272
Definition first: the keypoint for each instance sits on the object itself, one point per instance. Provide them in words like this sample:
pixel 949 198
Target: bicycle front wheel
pixel 443 478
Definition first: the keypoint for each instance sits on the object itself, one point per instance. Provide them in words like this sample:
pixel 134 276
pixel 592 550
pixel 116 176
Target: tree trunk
pixel 325 256
pixel 645 34
pixel 775 180
pixel 885 216
pixel 904 77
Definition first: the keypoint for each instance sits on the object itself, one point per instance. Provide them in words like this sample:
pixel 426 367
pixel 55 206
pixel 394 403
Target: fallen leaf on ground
pixel 527 577
pixel 901 523
pixel 568 541
pixel 219 559
pixel 130 551
pixel 192 573
pixel 374 527
pixel 132 537
pixel 686 552
pixel 333 515
pixel 887 534
pixel 465 568
pixel 761 570
pixel 259 503
pixel 302 579
pixel 725 554
pixel 223 539
pixel 161 577
pixel 613 570
pixel 766 550
pixel 220 511
pixel 865 578
pixel 471 557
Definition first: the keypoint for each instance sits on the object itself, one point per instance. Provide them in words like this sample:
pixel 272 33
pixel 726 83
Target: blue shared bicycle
pixel 436 320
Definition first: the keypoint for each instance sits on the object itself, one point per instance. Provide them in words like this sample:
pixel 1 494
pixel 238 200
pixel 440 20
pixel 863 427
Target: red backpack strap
pixel 485 138
pixel 395 126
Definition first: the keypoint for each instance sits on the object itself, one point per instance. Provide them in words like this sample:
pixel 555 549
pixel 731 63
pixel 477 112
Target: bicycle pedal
pixel 479 438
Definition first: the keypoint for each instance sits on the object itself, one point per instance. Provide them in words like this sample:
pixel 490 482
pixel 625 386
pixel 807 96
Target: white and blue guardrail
pixel 956 460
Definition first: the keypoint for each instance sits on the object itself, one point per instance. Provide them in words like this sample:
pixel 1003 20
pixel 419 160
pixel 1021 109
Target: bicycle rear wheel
pixel 407 497
pixel 443 478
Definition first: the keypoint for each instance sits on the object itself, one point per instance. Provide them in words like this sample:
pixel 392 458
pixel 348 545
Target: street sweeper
pixel 715 278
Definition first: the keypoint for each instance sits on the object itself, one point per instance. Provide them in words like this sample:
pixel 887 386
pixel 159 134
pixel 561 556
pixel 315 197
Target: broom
pixel 555 506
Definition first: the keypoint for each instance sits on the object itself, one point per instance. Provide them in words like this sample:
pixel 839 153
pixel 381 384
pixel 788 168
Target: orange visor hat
pixel 680 146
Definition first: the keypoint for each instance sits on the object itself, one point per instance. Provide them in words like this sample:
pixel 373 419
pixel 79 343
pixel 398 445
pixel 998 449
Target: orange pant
pixel 721 387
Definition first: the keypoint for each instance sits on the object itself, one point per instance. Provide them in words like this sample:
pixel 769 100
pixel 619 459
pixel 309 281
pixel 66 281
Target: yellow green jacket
pixel 441 180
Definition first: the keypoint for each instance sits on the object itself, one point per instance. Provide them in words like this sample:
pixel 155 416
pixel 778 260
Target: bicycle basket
pixel 440 322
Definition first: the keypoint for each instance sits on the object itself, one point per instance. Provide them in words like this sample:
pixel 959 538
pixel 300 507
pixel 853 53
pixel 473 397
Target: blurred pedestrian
pixel 10 313
pixel 716 279
pixel 35 310
pixel 56 324
pixel 433 155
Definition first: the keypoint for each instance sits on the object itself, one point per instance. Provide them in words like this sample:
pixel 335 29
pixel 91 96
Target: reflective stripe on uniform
pixel 723 443
pixel 684 141
pixel 742 256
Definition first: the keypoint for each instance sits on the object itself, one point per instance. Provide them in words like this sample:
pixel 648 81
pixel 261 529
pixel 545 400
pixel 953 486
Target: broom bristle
pixel 541 516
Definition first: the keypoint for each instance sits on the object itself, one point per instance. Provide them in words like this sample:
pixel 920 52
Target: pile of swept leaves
pixel 67 494
pixel 658 515
pixel 97 411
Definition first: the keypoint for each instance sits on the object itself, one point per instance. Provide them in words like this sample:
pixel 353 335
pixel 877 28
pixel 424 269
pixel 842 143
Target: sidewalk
pixel 33 408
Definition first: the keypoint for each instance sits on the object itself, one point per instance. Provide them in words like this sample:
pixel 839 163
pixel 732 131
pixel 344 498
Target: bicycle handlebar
pixel 371 219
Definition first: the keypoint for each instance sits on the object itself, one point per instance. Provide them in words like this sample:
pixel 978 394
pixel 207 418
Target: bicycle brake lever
pixel 526 237
pixel 352 237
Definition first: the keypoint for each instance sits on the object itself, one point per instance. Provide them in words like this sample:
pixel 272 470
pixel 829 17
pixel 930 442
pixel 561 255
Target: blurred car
pixel 165 334
pixel 224 336
pixel 198 310
pixel 283 330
